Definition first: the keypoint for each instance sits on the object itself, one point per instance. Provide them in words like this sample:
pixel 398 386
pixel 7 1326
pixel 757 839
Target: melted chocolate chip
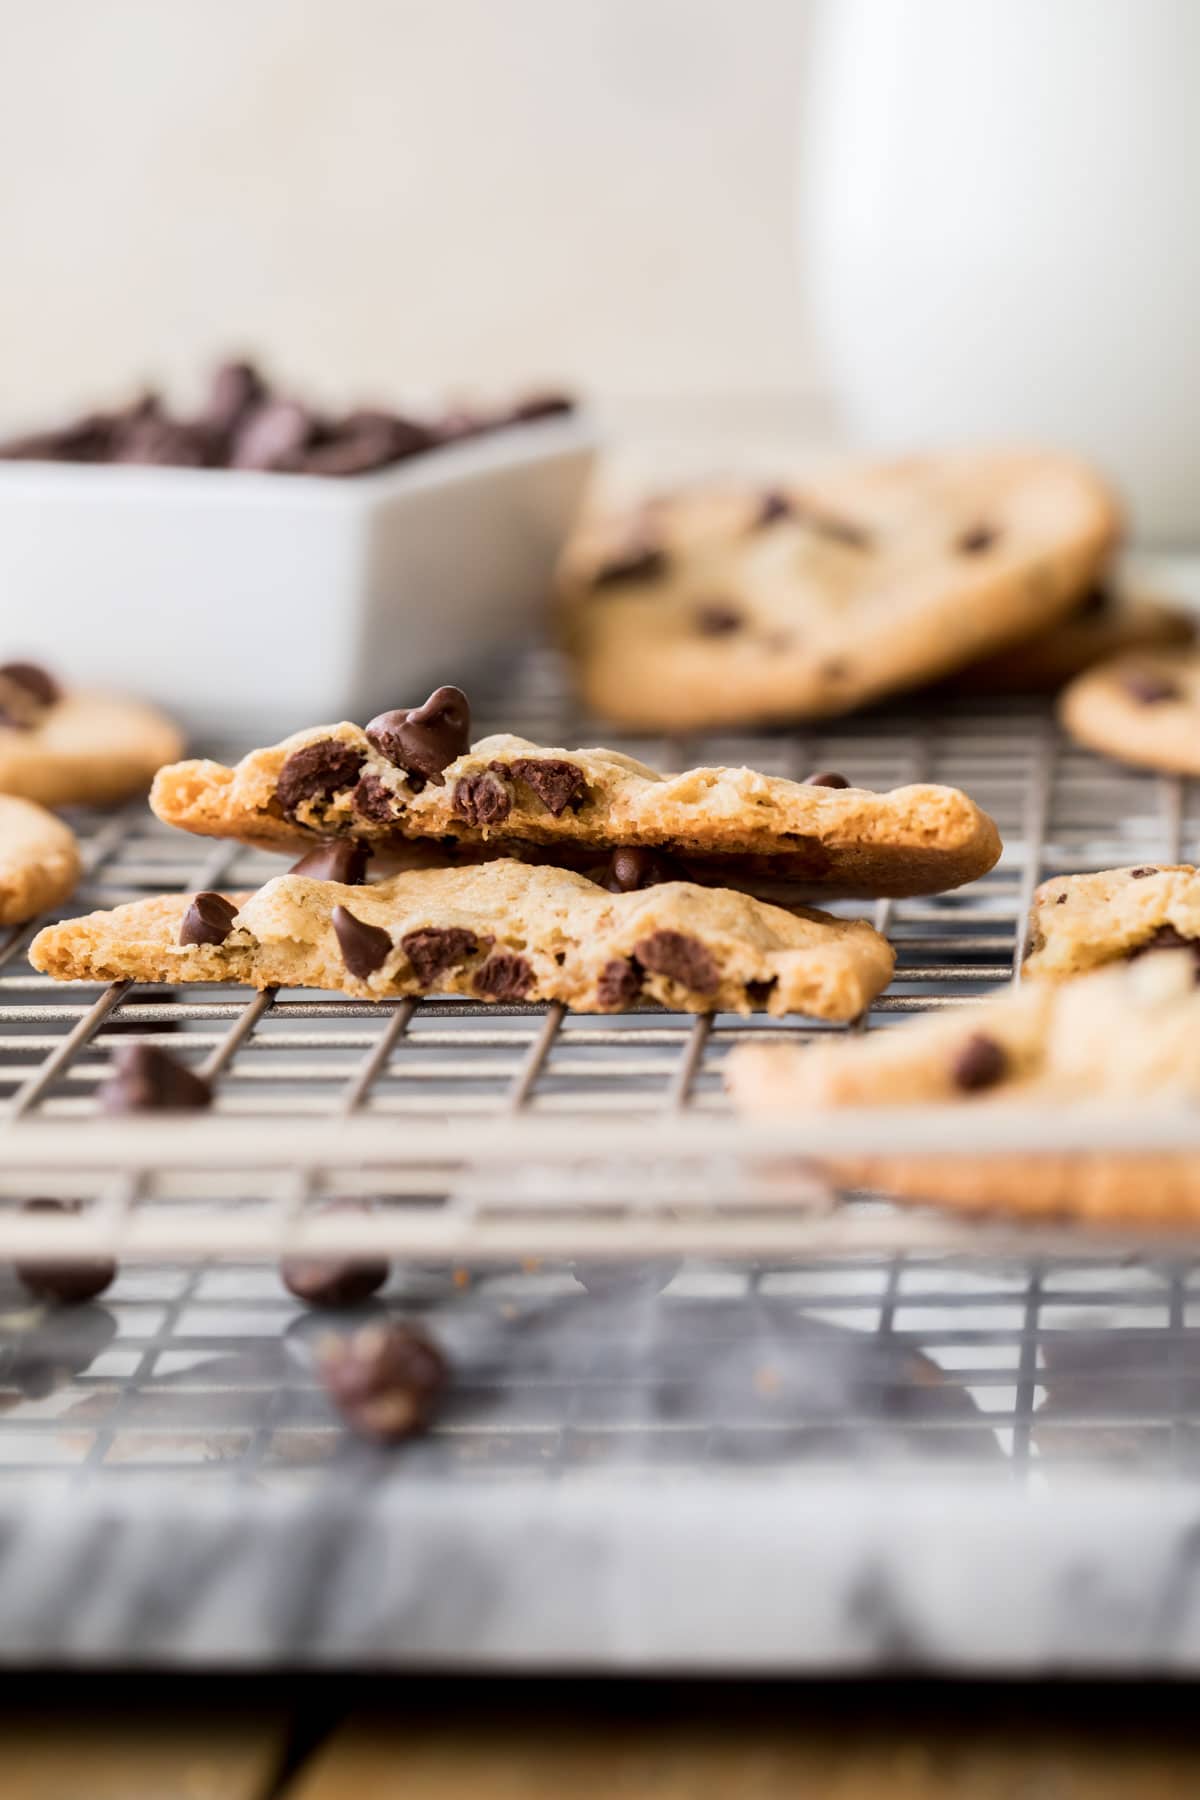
pixel 334 1281
pixel 504 976
pixel 147 1079
pixel 373 800
pixel 384 1378
pixel 425 740
pixel 1149 689
pixel 69 1283
pixel 317 772
pixel 1166 938
pixel 638 561
pixel 619 985
pixel 340 859
pixel 33 680
pixel 975 540
pixel 481 799
pixel 774 506
pixel 364 947
pixel 436 948
pixel 208 920
pixel 827 778
pixel 1137 875
pixel 716 619
pixel 631 869
pixel 980 1063
pixel 681 958
pixel 556 782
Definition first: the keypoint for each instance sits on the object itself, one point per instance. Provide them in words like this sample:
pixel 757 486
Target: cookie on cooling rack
pixel 1079 922
pixel 1112 619
pixel 1143 708
pixel 736 607
pixel 497 931
pixel 414 775
pixel 65 748
pixel 1122 1037
pixel 39 860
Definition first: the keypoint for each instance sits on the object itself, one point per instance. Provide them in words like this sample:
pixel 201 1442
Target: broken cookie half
pixel 411 776
pixel 499 931
pixel 1119 1038
pixel 1080 922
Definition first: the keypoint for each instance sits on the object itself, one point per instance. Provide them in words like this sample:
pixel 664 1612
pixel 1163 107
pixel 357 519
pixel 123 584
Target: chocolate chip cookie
pixel 736 607
pixel 39 860
pixel 67 748
pixel 413 775
pixel 1112 619
pixel 1128 1036
pixel 500 931
pixel 1079 922
pixel 1143 708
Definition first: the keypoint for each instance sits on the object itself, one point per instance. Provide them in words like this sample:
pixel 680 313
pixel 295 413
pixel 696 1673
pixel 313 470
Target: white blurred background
pixel 382 195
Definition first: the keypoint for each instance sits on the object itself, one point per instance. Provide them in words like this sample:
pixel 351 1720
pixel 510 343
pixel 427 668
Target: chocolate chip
pixel 716 619
pixel 504 976
pixel 1062 900
pixel 557 783
pixel 773 506
pixel 980 1063
pixel 481 799
pixel 1096 603
pixel 1137 875
pixel 208 920
pixel 69 1283
pixel 273 436
pixel 640 560
pixel 156 441
pixel 316 772
pixel 364 947
pixel 1149 689
pixel 373 800
pixel 384 1378
pixel 235 391
pixel 619 985
pixel 1166 938
pixel 975 540
pixel 827 778
pixel 334 1281
pixel 425 740
pixel 147 1079
pixel 338 859
pixel 33 680
pixel 436 948
pixel 366 439
pixel 759 992
pixel 683 959
pixel 631 869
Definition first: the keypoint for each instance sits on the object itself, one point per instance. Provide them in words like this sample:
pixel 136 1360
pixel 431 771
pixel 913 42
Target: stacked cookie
pixel 508 871
pixel 741 606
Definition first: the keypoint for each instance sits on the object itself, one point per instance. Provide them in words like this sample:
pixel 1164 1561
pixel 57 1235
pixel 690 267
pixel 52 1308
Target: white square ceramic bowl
pixel 259 603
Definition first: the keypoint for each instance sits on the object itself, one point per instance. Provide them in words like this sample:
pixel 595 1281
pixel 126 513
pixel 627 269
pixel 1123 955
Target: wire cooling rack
pixel 522 1130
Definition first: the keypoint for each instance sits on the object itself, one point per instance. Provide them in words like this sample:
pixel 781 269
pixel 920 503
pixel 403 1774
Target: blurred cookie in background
pixel 64 747
pixel 39 860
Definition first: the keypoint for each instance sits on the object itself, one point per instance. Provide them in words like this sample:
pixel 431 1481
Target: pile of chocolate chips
pixel 245 424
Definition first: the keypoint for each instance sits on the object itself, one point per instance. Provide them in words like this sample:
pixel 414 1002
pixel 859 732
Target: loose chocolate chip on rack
pixel 434 949
pixel 827 778
pixel 504 976
pixel 317 772
pixel 715 619
pixel 364 947
pixel 1134 875
pixel 70 1283
pixel 146 1079
pixel 208 920
pixel 274 435
pixel 980 1063
pixel 632 868
pixel 384 1378
pixel 774 506
pixel 373 800
pixel 334 1281
pixel 425 740
pixel 1166 938
pixel 33 680
pixel 620 983
pixel 975 540
pixel 340 859
pixel 638 561
pixel 681 958
pixel 1149 689
pixel 556 782
pixel 482 799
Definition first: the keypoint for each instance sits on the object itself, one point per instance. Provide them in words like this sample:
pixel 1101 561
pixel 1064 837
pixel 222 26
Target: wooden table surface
pixel 338 1738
